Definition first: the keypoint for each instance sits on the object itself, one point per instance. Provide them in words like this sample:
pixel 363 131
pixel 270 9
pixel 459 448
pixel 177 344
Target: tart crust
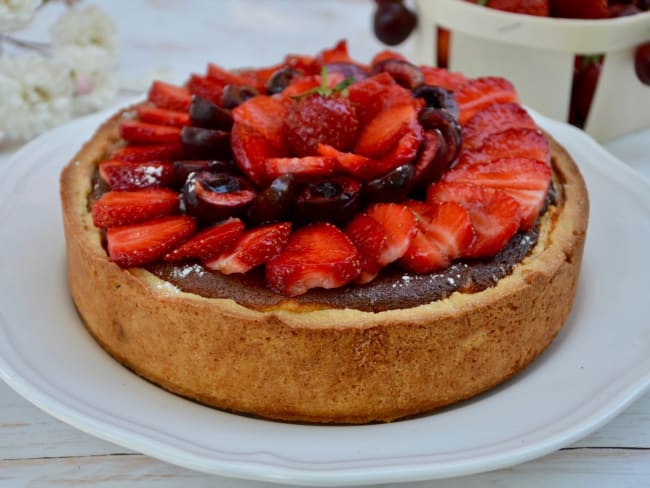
pixel 295 363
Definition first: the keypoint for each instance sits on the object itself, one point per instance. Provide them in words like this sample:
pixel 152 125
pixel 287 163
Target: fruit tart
pixel 324 240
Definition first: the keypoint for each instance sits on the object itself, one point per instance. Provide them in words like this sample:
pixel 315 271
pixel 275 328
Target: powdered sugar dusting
pixel 187 270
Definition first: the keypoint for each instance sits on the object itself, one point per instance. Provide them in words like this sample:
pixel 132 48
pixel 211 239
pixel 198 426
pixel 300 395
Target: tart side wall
pixel 342 366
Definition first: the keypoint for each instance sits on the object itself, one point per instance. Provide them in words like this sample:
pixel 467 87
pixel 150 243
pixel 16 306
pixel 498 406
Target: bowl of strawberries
pixel 586 62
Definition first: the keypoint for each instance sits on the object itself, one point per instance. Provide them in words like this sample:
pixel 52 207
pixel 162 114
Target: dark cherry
pixel 183 168
pixel 642 63
pixel 406 74
pixel 333 200
pixel 235 95
pixel 280 79
pixel 435 118
pixel 275 202
pixel 431 162
pixel 200 143
pixel 211 197
pixel 204 113
pixel 393 22
pixel 394 186
pixel 348 70
pixel 437 97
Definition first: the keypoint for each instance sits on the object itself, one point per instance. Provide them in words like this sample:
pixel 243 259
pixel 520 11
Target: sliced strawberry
pixel 444 233
pixel 384 131
pixel 209 242
pixel 138 244
pixel 386 54
pixel 350 163
pixel 495 118
pixel 308 166
pixel 316 256
pixel 405 151
pixel 145 133
pixel 369 237
pixel 400 225
pixel 336 54
pixel 155 115
pixel 525 180
pixel 115 208
pixel 250 150
pixel 252 248
pixel 158 152
pixel 302 84
pixel 494 214
pixel 441 77
pixel 121 175
pixel 304 64
pixel 515 143
pixel 258 78
pixel 266 115
pixel 206 88
pixel 170 97
pixel 377 93
pixel 479 93
pixel 224 76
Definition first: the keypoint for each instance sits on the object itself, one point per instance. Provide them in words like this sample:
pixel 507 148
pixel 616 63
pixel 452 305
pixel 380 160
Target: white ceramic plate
pixel 597 366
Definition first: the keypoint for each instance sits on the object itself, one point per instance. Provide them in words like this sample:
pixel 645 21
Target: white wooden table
pixel 179 37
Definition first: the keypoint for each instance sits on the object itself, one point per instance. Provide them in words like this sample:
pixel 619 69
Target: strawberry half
pixel 377 93
pixel 400 225
pixel 170 97
pixel 385 130
pixel 308 166
pixel 138 244
pixel 252 248
pixel 209 242
pixel 445 232
pixel 349 163
pixel 405 151
pixel 121 175
pixel 140 132
pixel 250 150
pixel 480 93
pixel 160 116
pixel 157 152
pixel 115 208
pixel 369 237
pixel 493 119
pixel 525 180
pixel 515 143
pixel 316 256
pixel 494 214
pixel 267 116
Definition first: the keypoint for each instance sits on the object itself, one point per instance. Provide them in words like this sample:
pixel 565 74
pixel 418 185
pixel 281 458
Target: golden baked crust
pixel 341 366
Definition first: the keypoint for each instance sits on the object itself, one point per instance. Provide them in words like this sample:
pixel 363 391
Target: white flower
pixel 86 26
pixel 16 14
pixel 35 95
pixel 94 85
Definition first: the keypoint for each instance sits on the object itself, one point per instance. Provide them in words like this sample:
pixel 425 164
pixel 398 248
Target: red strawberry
pixel 138 244
pixel 369 237
pixel 482 92
pixel 515 143
pixel 539 8
pixel 308 166
pixel 170 97
pixel 386 54
pixel 525 180
pixel 405 151
pixel 493 119
pixel 384 131
pixel 400 225
pixel 301 63
pixel 267 116
pixel 224 76
pixel 377 93
pixel 121 175
pixel 444 233
pixel 316 256
pixel 495 216
pixel 209 242
pixel 441 77
pixel 250 150
pixel 158 152
pixel 252 248
pixel 580 9
pixel 155 115
pixel 316 119
pixel 336 54
pixel 145 133
pixel 301 84
pixel 207 88
pixel 115 208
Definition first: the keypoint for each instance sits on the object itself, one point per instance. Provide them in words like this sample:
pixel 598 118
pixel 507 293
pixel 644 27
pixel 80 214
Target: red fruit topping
pixel 444 233
pixel 155 115
pixel 267 116
pixel 250 150
pixel 377 93
pixel 316 256
pixel 299 85
pixel 386 54
pixel 212 196
pixel 384 131
pixel 350 163
pixel 441 77
pixel 539 8
pixel 121 175
pixel 145 133
pixel 315 119
pixel 493 119
pixel 206 88
pixel 223 76
pixel 580 9
pixel 158 152
pixel 308 166
pixel 404 152
pixel 170 97
pixel 495 215
pixel 369 237
pixel 336 54
pixel 209 242
pixel 515 143
pixel 252 248
pixel 525 180
pixel 138 244
pixel 303 64
pixel 115 208
pixel 431 163
pixel 400 225
pixel 483 92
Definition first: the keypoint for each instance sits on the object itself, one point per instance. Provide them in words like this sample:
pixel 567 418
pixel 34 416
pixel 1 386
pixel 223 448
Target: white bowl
pixel 537 55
